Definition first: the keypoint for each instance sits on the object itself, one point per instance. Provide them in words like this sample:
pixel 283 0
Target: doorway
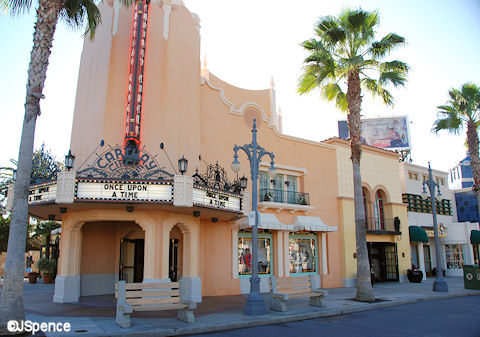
pixel 428 260
pixel 131 260
pixel 173 260
pixel 383 261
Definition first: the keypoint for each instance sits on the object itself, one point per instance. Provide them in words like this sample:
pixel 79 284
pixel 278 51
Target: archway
pixel 175 254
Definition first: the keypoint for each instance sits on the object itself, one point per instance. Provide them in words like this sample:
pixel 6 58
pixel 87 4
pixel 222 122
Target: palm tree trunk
pixel 11 301
pixel 354 98
pixel 472 142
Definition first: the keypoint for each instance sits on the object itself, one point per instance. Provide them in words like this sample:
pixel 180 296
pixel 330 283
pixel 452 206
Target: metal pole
pixel 255 304
pixel 439 284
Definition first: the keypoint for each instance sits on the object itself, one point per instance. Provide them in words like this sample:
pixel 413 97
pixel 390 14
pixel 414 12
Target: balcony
pixel 382 226
pixel 279 199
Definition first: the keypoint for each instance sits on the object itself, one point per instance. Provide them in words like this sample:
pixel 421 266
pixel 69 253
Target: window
pixel 379 212
pixel 412 175
pixel 454 254
pixel 278 188
pixel 302 253
pixel 282 189
pixel 291 184
pixel 245 253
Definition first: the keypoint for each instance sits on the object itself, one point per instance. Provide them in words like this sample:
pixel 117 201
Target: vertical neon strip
pixel 135 79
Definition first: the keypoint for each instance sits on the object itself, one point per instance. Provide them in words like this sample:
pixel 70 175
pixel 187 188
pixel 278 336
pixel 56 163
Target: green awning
pixel 417 234
pixel 475 237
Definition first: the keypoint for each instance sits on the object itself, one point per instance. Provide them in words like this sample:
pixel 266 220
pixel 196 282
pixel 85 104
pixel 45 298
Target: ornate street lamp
pixel 69 160
pixel 182 165
pixel 255 304
pixel 439 284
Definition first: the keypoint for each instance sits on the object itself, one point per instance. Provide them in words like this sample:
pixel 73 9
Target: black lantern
pixel 69 160
pixel 243 182
pixel 182 165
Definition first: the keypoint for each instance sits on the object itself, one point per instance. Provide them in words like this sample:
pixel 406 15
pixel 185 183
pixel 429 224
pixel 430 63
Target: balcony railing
pixel 381 225
pixel 283 196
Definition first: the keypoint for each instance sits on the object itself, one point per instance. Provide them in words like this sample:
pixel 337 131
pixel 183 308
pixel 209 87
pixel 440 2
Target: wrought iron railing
pixel 283 196
pixel 382 225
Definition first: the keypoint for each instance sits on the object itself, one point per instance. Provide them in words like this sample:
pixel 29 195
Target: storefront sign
pixel 123 191
pixel 42 193
pixel 442 233
pixel 216 199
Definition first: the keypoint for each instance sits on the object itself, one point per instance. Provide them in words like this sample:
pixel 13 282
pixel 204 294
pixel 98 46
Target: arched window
pixel 365 205
pixel 379 212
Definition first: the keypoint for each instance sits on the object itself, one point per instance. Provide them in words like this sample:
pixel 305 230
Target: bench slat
pixel 159 307
pixel 303 295
pixel 155 300
pixel 166 285
pixel 295 291
pixel 294 285
pixel 153 293
pixel 293 279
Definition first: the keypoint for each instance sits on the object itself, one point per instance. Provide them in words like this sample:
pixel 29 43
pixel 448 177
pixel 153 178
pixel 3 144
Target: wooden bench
pixel 283 289
pixel 150 297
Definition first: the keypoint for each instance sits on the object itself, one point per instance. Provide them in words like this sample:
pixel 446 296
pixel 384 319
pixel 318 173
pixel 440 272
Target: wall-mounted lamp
pixel 355 255
pixel 243 182
pixel 182 165
pixel 214 219
pixel 69 160
pixel 63 210
pixel 196 214
pixel 129 209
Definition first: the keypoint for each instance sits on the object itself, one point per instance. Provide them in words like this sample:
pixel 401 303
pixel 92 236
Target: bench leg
pixel 277 304
pixel 122 318
pixel 318 301
pixel 186 315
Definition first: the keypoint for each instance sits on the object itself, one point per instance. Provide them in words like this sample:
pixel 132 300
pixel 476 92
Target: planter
pixel 48 278
pixel 32 277
pixel 414 276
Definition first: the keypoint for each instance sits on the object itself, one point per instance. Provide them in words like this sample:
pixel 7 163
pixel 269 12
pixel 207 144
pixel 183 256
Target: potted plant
pixel 48 267
pixel 414 275
pixel 302 200
pixel 32 277
pixel 268 195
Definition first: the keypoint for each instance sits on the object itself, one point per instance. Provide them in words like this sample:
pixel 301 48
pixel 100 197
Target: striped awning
pixel 475 237
pixel 266 221
pixel 313 224
pixel 417 234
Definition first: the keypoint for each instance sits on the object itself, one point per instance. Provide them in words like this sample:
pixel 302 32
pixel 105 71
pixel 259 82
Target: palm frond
pixel 80 13
pixel 386 45
pixel 377 90
pixel 395 65
pixel 451 124
pixel 16 7
pixel 393 77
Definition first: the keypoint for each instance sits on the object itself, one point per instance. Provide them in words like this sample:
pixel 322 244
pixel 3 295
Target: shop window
pixel 379 212
pixel 302 254
pixel 264 244
pixel 454 254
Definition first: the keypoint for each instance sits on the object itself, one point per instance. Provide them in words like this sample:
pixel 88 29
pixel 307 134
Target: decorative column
pixel 421 259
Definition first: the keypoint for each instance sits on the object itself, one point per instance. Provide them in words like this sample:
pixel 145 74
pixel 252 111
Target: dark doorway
pixel 427 260
pixel 173 260
pixel 131 260
pixel 383 261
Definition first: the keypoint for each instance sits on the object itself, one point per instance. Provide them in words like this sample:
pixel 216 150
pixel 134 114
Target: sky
pixel 246 43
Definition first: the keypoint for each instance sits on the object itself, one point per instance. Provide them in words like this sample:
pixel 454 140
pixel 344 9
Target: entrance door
pixel 428 261
pixel 383 261
pixel 173 260
pixel 131 260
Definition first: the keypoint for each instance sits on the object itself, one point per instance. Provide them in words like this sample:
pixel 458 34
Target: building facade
pixel 386 215
pixel 128 213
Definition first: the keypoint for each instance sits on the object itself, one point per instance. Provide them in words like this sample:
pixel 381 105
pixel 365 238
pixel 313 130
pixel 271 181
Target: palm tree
pixel 463 109
pixel 75 13
pixel 346 53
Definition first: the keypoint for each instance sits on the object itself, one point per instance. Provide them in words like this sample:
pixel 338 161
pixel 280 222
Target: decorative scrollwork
pixel 216 177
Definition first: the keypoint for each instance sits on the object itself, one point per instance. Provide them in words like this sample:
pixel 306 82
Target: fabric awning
pixel 267 221
pixel 417 234
pixel 56 231
pixel 313 224
pixel 475 237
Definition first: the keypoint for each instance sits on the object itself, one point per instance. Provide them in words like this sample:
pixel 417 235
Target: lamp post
pixel 255 304
pixel 439 284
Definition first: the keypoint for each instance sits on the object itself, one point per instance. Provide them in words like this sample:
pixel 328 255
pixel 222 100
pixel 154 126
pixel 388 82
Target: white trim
pixel 116 9
pixel 280 206
pixel 324 254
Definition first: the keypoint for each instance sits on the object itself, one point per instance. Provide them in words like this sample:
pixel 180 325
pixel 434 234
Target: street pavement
pixel 95 315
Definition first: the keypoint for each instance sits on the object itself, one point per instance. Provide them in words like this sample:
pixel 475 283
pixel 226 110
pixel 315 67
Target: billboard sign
pixel 390 133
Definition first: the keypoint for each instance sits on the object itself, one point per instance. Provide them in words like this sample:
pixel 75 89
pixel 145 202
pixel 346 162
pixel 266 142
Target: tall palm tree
pixel 463 110
pixel 75 13
pixel 347 54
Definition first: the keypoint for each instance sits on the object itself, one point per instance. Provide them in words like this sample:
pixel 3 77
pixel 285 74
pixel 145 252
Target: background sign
pixel 42 193
pixel 216 199
pixel 389 133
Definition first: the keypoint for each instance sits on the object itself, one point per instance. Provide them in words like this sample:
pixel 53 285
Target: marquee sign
pixel 46 192
pixel 131 191
pixel 216 199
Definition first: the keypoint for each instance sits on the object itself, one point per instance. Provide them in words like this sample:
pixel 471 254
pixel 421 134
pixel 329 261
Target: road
pixel 454 317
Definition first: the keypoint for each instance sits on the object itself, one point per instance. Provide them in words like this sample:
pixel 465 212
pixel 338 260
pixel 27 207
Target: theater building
pixel 385 215
pixel 130 210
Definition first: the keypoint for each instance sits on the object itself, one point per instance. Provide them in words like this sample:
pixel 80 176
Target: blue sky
pixel 247 42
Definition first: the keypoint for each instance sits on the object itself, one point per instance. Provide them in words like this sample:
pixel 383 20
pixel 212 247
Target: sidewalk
pixel 95 315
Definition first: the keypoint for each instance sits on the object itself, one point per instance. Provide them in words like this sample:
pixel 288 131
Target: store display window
pixel 454 255
pixel 302 254
pixel 264 244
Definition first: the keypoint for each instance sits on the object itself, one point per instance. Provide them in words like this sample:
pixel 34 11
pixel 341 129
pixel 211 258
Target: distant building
pixel 460 179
